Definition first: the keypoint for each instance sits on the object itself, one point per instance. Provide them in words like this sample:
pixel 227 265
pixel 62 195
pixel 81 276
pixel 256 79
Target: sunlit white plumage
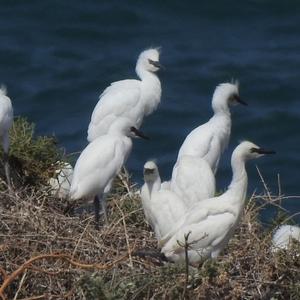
pixel 282 238
pixel 209 140
pixel 61 182
pixel 131 99
pixel 162 207
pixel 6 120
pixel 152 184
pixel 101 161
pixel 212 222
pixel 192 180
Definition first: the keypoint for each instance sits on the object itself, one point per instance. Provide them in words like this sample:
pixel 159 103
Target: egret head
pixel 149 61
pixel 150 171
pixel 248 150
pixel 226 94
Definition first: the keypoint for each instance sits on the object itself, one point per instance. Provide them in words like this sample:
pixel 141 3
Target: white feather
pixel 6 118
pixel 61 182
pixel 192 180
pixel 209 140
pixel 283 237
pixel 131 99
pixel 212 222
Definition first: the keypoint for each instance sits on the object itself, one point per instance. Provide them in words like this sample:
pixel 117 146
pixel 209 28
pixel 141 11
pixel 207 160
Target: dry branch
pixel 65 257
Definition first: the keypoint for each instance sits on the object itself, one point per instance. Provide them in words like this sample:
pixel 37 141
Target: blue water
pixel 57 56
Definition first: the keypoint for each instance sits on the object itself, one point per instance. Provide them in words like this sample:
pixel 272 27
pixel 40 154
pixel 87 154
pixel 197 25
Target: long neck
pixel 239 182
pixel 146 76
pixel 151 89
pixel 219 103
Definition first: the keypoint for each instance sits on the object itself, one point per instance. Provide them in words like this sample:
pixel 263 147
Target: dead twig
pixel 10 278
pixel 126 233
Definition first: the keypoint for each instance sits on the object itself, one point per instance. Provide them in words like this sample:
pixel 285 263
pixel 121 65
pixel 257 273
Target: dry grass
pixel 49 249
pixel 31 158
pixel 34 224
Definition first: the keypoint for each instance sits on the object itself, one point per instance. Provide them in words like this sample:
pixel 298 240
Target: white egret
pixel 211 223
pixel 130 98
pixel 165 210
pixel 152 184
pixel 282 238
pixel 162 207
pixel 6 120
pixel 101 161
pixel 193 180
pixel 209 140
pixel 61 182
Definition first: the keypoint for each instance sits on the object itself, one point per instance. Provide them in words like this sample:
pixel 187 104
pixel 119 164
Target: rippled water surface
pixel 57 56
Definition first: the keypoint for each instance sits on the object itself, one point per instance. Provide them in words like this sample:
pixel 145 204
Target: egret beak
pixel 239 100
pixel 156 64
pixel 139 133
pixel 263 151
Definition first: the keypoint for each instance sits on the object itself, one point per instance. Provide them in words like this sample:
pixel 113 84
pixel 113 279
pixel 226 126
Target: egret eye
pixel 253 150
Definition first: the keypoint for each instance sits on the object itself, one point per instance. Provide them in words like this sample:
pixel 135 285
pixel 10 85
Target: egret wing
pixel 120 99
pixel 203 235
pixel 166 208
pixel 96 165
pixel 193 180
pixel 198 142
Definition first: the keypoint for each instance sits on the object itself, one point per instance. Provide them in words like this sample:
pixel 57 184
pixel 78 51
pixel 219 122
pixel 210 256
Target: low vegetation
pixel 49 248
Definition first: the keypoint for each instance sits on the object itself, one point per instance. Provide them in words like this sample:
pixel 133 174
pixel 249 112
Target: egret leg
pixel 7 170
pixel 97 212
pixel 104 210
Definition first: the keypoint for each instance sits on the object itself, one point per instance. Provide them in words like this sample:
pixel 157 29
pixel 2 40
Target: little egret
pixel 193 180
pixel 162 207
pixel 152 184
pixel 6 120
pixel 209 140
pixel 101 161
pixel 211 223
pixel 130 98
pixel 61 183
pixel 282 238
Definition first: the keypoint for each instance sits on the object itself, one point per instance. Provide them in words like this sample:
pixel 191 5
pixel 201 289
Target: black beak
pixel 239 100
pixel 156 64
pixel 139 133
pixel 263 151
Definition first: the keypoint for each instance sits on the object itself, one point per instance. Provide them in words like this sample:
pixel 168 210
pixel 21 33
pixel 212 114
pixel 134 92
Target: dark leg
pixel 104 211
pixel 97 211
pixel 7 171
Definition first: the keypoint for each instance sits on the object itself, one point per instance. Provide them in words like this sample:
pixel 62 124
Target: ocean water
pixel 57 56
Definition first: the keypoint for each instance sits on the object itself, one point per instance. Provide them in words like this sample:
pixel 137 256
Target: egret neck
pixel 237 189
pixel 150 88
